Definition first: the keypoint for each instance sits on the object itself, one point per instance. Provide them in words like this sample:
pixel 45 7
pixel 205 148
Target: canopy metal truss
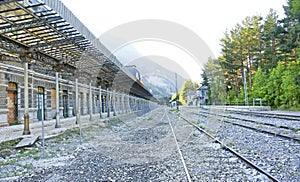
pixel 46 35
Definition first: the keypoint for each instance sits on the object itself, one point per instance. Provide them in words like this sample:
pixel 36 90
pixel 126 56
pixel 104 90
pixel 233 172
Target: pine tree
pixel 270 43
pixel 216 82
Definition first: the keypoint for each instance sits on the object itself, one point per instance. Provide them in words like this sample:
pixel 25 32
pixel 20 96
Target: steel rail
pixel 253 121
pixel 256 129
pixel 272 115
pixel 178 148
pixel 232 151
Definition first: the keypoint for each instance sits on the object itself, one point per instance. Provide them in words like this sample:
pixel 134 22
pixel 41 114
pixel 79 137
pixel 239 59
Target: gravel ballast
pixel 130 149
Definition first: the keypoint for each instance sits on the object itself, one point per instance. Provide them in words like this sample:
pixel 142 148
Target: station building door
pixel 12 103
pixel 65 103
pixel 40 103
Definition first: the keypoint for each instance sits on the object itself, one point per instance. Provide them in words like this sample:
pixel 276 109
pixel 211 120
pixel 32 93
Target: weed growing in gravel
pixel 28 166
pixel 7 146
pixel 8 162
pixel 202 127
pixel 36 157
pixel 67 135
pixel 258 122
pixel 175 111
pixel 150 119
pixel 113 122
pixel 230 144
pixel 27 152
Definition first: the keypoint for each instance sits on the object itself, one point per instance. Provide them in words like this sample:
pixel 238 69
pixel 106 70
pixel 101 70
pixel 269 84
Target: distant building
pixel 133 70
pixel 203 95
pixel 173 103
pixel 191 99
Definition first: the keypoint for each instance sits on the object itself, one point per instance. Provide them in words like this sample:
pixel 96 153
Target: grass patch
pixel 7 146
pixel 8 162
pixel 202 127
pixel 258 122
pixel 150 119
pixel 28 166
pixel 67 136
pixel 27 152
pixel 113 122
pixel 288 108
pixel 174 111
pixel 52 153
pixel 31 151
pixel 230 144
pixel 215 141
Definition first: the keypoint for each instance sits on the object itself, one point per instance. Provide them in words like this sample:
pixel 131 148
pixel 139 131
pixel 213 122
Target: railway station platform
pixel 14 132
pixel 8 133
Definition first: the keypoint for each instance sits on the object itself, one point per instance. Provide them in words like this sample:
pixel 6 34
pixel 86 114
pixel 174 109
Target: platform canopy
pixel 46 35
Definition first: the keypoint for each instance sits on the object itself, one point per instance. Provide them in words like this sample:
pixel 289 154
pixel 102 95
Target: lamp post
pixel 245 86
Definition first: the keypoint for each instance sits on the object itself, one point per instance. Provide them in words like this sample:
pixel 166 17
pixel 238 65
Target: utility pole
pixel 245 87
pixel 177 97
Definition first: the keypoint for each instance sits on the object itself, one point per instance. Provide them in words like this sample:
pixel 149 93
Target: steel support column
pixel 114 103
pixel 26 99
pixel 90 102
pixel 100 102
pixel 57 101
pixel 108 100
pixel 123 104
pixel 128 104
pixel 76 101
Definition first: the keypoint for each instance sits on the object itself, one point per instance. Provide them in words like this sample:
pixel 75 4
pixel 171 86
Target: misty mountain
pixel 158 75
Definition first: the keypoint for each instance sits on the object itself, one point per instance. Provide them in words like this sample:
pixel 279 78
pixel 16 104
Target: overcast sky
pixel 209 19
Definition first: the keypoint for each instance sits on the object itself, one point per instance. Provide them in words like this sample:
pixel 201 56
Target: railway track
pixel 279 130
pixel 276 155
pixel 144 149
pixel 290 116
pixel 268 115
pixel 189 166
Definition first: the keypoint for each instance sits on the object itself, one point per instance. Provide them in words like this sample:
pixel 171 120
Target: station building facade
pixel 41 46
pixel 42 96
